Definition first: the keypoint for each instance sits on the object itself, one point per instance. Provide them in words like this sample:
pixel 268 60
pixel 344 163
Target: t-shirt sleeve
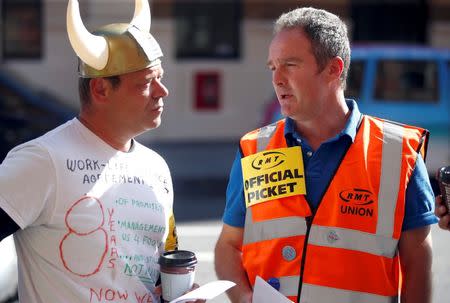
pixel 234 213
pixel 419 205
pixel 27 184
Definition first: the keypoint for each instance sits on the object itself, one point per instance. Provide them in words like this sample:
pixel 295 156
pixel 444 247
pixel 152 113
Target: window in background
pixel 390 21
pixel 208 30
pixel 407 80
pixel 355 80
pixel 448 78
pixel 21 29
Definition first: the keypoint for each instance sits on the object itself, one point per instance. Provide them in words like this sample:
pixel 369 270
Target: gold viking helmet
pixel 113 49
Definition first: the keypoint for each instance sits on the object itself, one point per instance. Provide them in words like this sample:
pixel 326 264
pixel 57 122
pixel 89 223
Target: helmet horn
pixel 142 18
pixel 92 49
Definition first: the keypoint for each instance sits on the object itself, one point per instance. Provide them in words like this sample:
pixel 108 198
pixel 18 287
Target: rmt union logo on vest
pixel 268 160
pixel 357 202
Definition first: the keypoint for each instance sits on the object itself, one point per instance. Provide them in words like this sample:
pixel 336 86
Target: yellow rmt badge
pixel 273 174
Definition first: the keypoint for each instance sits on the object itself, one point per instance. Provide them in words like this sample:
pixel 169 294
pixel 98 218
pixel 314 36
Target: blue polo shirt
pixel 320 166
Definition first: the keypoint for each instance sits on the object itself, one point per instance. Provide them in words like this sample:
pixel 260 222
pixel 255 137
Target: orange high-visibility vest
pixel 348 250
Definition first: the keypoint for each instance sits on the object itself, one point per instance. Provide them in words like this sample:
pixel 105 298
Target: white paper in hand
pixel 206 292
pixel 263 292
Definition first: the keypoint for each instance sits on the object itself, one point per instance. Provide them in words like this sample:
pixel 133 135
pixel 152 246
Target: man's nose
pixel 278 78
pixel 159 90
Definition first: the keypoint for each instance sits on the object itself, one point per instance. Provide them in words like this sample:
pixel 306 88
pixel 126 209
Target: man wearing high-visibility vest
pixel 331 204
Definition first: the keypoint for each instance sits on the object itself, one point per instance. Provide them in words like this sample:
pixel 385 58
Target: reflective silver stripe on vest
pixel 353 239
pixel 315 293
pixel 264 136
pixel 289 285
pixel 390 178
pixel 272 229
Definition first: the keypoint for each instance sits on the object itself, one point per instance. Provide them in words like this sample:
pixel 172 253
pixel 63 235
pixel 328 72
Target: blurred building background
pixel 215 61
pixel 215 68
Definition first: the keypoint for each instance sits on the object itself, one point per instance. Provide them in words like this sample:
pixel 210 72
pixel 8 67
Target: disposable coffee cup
pixel 177 273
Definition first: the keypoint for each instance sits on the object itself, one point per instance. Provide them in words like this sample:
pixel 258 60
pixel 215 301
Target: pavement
pixel 441 265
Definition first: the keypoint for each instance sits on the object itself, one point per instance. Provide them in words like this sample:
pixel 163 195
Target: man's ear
pixel 335 67
pixel 99 88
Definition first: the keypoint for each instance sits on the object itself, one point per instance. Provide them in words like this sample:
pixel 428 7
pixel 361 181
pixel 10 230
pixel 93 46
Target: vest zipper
pixel 305 245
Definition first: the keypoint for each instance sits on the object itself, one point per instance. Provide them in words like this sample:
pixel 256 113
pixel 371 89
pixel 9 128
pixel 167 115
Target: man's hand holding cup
pixel 177 274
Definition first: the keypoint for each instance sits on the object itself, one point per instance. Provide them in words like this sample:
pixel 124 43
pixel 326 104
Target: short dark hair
pixel 84 88
pixel 326 31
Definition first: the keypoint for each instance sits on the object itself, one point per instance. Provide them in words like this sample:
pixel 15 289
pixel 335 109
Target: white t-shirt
pixel 93 219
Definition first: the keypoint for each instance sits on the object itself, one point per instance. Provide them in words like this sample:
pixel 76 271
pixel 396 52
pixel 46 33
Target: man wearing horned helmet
pixel 90 207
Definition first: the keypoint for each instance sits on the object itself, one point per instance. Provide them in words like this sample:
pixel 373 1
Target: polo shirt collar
pixel 349 130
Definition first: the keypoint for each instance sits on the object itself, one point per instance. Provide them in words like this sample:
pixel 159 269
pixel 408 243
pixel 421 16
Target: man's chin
pixel 151 125
pixel 286 113
pixel 156 123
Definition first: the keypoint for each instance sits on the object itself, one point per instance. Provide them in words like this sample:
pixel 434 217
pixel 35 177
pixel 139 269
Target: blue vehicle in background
pixel 407 84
